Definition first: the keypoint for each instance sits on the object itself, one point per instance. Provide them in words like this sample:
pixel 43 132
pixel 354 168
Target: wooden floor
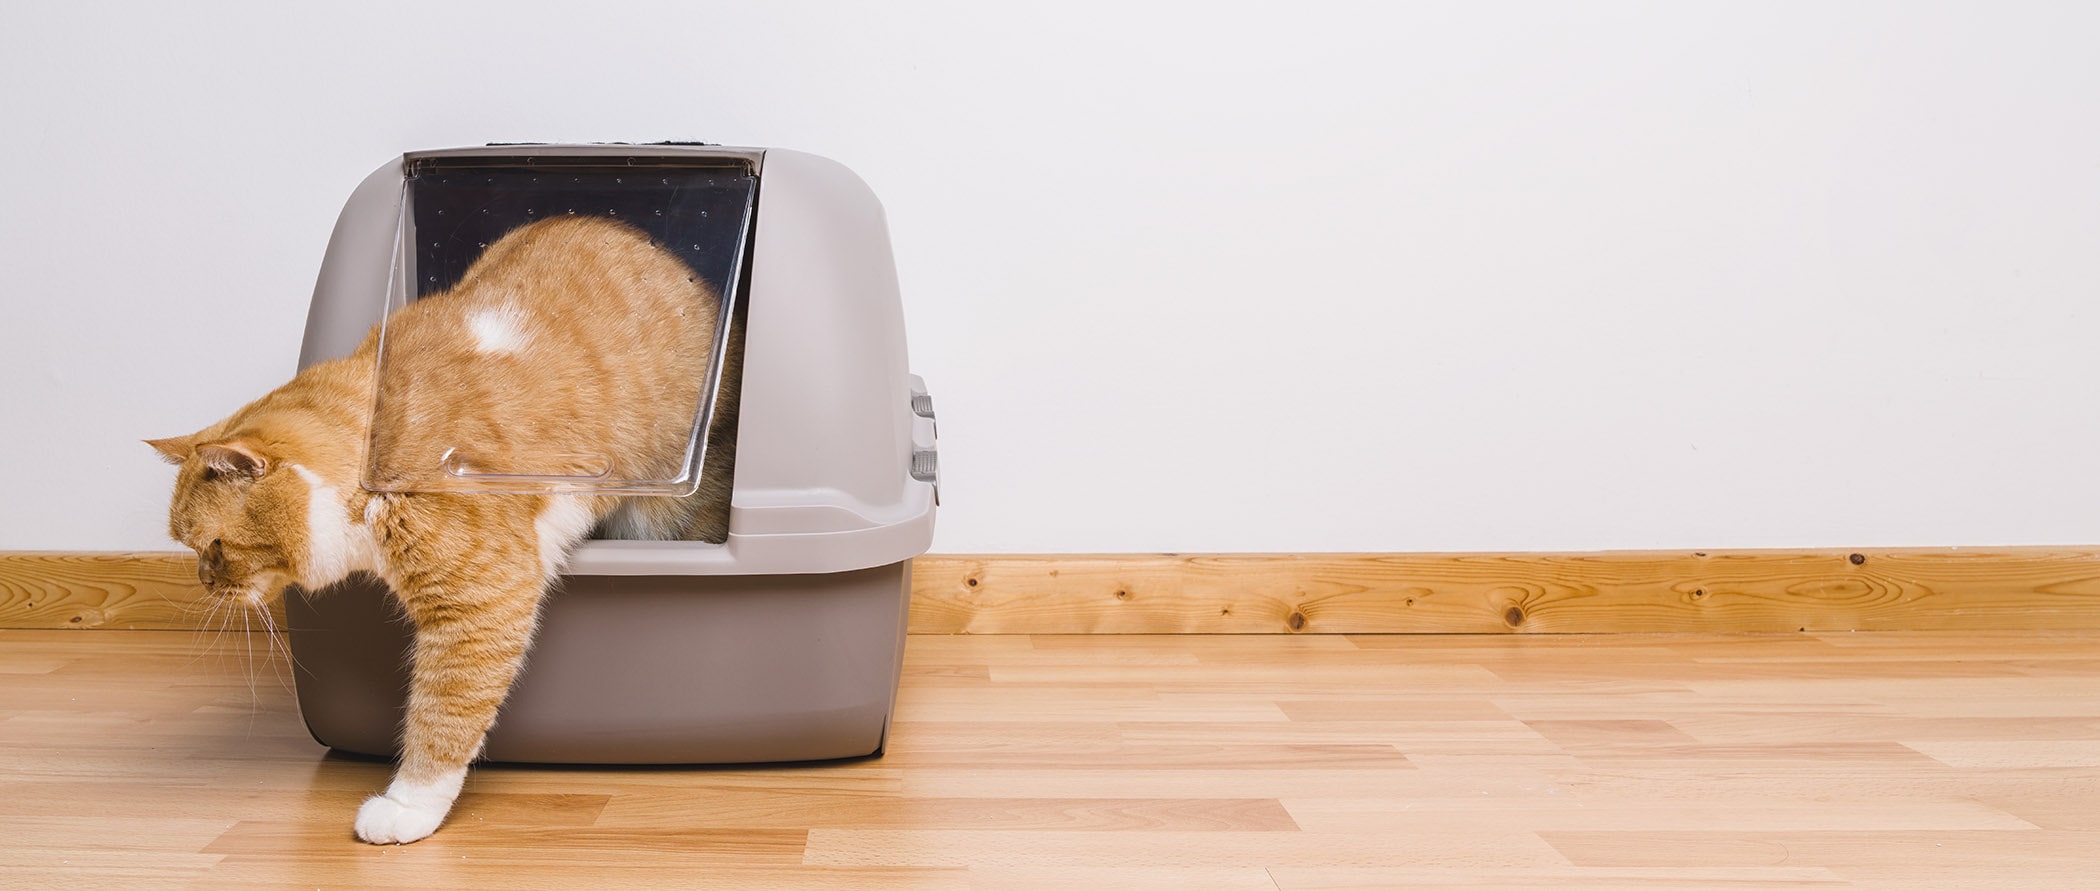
pixel 1891 759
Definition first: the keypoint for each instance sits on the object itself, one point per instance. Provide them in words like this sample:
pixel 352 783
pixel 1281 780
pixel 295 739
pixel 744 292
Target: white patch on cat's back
pixel 561 524
pixel 499 330
pixel 335 547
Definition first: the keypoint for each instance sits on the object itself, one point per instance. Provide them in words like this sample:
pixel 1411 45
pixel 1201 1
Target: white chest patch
pixel 335 546
pixel 499 330
pixel 561 524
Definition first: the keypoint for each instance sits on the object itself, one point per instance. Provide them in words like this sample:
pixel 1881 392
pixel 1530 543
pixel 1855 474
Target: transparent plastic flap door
pixel 425 438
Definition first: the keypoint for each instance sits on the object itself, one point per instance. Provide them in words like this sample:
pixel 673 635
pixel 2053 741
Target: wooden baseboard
pixel 1907 589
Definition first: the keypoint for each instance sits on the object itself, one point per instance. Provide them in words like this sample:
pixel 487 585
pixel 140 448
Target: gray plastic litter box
pixel 782 643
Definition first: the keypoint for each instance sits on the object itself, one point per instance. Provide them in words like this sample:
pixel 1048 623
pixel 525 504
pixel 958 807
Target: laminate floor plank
pixel 154 759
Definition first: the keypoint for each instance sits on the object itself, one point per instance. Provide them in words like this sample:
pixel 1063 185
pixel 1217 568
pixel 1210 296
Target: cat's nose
pixel 210 561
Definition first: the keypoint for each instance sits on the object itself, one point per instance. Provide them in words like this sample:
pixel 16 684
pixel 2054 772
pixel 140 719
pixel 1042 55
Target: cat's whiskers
pixel 219 621
pixel 278 647
pixel 215 621
pixel 194 606
pixel 199 614
pixel 248 652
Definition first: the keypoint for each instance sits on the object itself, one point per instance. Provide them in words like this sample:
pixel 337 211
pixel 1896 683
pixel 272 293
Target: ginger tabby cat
pixel 577 324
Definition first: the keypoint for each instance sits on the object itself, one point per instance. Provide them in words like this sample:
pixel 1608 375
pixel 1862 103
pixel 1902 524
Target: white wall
pixel 1217 276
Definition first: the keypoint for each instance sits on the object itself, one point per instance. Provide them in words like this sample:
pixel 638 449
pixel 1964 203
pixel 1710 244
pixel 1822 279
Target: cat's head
pixel 243 505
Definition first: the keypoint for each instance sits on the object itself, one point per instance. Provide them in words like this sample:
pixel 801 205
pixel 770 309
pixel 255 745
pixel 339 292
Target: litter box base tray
pixel 637 669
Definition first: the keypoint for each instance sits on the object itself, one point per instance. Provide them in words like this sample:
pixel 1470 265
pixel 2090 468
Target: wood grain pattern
pixel 2005 589
pixel 99 590
pixel 1485 593
pixel 1885 760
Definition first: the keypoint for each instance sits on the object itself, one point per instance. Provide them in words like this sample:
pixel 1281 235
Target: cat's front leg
pixel 409 810
pixel 471 637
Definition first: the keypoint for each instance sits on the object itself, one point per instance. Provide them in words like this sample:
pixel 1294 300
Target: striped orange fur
pixel 579 325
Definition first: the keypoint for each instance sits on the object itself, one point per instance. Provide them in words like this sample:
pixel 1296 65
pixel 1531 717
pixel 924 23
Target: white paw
pixel 384 821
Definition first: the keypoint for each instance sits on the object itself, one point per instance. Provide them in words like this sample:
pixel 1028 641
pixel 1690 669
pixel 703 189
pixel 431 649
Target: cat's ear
pixel 234 457
pixel 174 449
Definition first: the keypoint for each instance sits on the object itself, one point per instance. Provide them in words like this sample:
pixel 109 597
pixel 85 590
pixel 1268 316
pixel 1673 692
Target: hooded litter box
pixel 782 643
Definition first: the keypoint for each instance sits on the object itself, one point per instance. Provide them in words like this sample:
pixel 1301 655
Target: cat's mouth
pixel 224 584
pixel 256 596
pixel 255 591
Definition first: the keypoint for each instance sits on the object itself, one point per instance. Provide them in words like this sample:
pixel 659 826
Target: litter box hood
pixel 835 451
